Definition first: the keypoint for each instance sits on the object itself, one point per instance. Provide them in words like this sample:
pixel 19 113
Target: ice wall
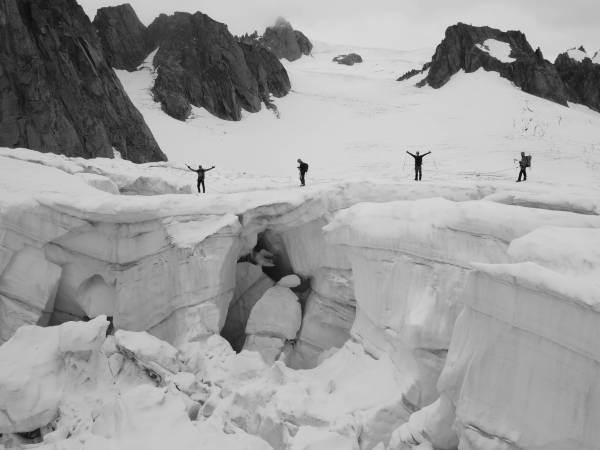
pixel 523 366
pixel 410 261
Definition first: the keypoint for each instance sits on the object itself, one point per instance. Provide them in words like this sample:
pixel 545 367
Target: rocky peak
pixel 124 39
pixel 59 93
pixel 286 42
pixel 581 75
pixel 200 63
pixel 469 48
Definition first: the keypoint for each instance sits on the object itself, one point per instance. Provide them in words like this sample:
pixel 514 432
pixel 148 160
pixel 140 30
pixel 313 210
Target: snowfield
pixel 364 311
pixel 357 122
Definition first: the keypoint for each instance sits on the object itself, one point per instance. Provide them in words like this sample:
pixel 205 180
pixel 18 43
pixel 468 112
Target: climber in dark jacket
pixel 523 163
pixel 200 171
pixel 303 168
pixel 418 164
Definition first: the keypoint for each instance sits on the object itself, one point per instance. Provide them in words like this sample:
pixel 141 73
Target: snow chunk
pixel 497 49
pixel 148 349
pixel 289 281
pixel 33 372
pixel 276 314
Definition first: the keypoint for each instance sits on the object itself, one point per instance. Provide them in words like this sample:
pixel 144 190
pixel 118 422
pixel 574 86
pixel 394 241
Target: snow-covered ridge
pixel 497 49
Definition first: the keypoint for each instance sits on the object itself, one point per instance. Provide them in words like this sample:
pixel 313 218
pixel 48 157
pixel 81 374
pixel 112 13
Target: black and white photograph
pixel 300 225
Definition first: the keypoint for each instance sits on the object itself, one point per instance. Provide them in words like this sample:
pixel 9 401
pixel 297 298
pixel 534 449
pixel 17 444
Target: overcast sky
pixel 554 25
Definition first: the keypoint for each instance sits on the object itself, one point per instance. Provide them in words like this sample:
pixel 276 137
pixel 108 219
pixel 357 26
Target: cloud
pixel 553 25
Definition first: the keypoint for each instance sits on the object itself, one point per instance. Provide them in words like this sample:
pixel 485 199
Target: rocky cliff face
pixel 271 76
pixel 58 92
pixel 286 42
pixel 200 63
pixel 124 39
pixel 581 77
pixel 463 48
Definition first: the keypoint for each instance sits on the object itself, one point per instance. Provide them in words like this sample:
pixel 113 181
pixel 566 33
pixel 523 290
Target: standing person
pixel 524 163
pixel 303 168
pixel 200 171
pixel 418 164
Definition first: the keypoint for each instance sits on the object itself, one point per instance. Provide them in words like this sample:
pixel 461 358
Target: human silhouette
pixel 302 168
pixel 524 163
pixel 418 164
pixel 200 171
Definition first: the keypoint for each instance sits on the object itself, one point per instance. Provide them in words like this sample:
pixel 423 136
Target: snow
pixel 458 311
pixel 277 314
pixel 355 123
pixel 497 49
pixel 33 373
pixel 577 54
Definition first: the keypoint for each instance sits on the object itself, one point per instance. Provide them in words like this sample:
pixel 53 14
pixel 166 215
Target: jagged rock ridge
pixel 286 42
pixel 582 78
pixel 124 38
pixel 270 74
pixel 460 50
pixel 413 72
pixel 198 62
pixel 58 92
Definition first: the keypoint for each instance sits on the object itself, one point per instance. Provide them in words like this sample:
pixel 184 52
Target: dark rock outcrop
pixel 123 37
pixel 200 63
pixel 349 60
pixel 286 42
pixel 270 74
pixel 413 72
pixel 57 92
pixel 303 43
pixel 529 70
pixel 582 79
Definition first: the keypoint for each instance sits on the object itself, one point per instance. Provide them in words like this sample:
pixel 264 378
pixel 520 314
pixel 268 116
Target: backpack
pixel 304 167
pixel 528 161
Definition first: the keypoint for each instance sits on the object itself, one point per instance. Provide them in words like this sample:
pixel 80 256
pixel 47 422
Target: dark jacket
pixel 303 167
pixel 418 158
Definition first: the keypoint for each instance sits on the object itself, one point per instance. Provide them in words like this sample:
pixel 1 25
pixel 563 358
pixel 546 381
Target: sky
pixel 554 25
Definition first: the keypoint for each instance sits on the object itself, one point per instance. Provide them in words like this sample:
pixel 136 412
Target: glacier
pixel 344 315
pixel 455 313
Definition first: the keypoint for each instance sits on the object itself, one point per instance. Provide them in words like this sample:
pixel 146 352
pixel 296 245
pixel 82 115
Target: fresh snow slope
pixel 357 122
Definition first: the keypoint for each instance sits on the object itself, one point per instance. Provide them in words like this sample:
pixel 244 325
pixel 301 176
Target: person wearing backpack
pixel 524 163
pixel 303 168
